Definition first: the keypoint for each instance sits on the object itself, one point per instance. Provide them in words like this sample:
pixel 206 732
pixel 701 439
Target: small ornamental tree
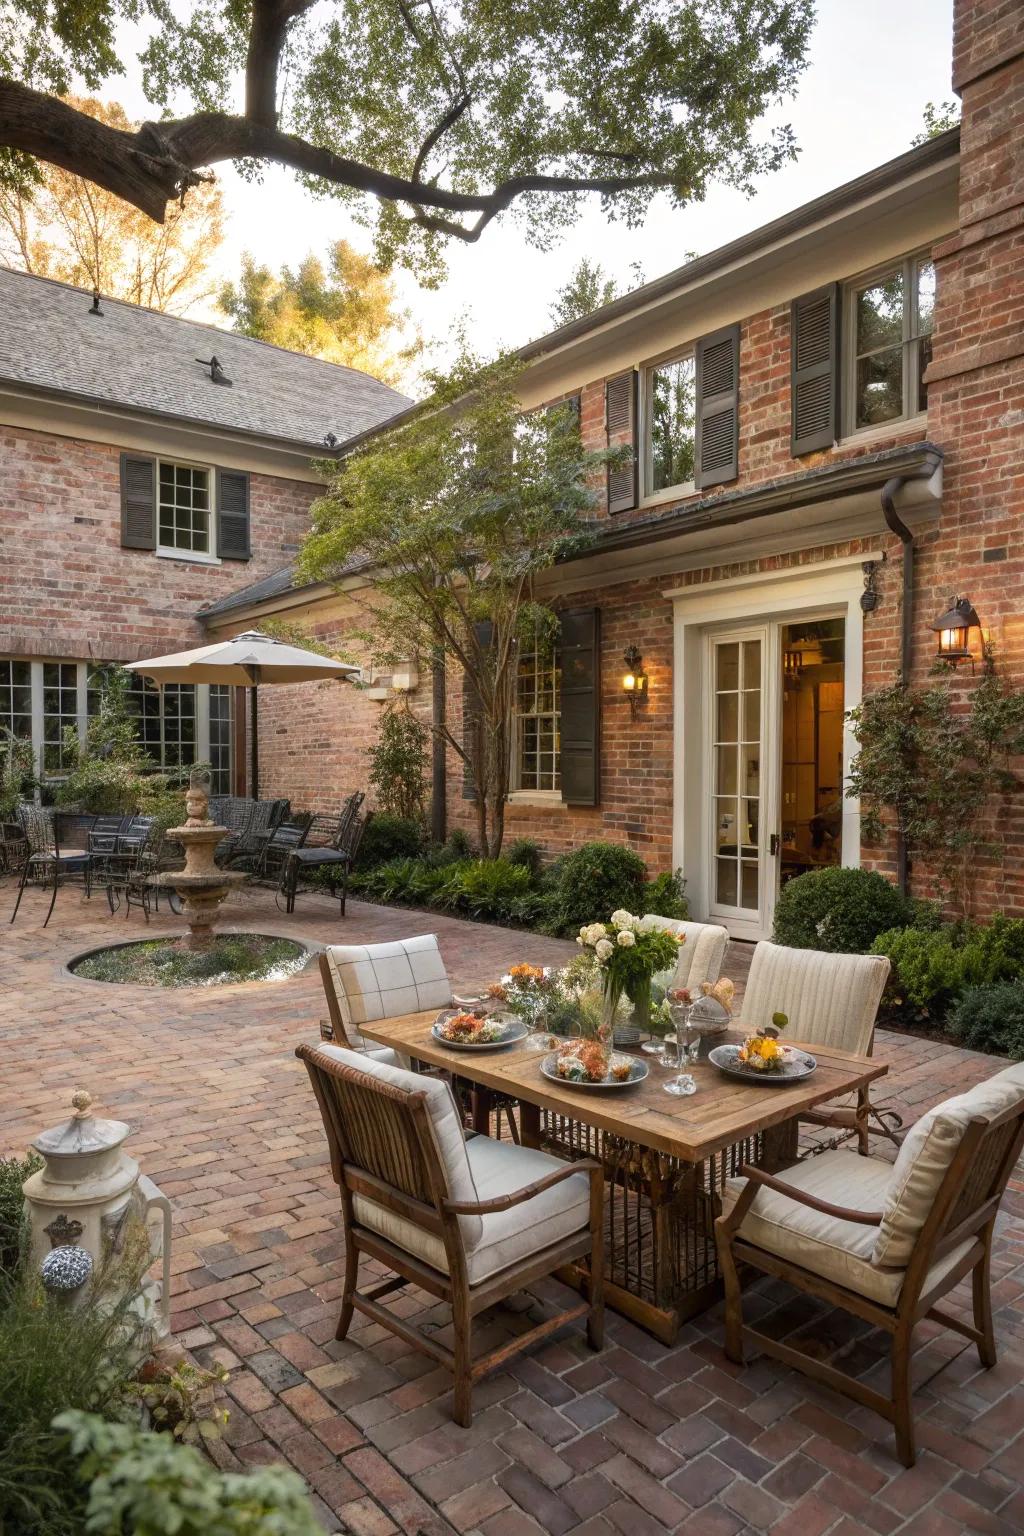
pixel 459 510
pixel 398 762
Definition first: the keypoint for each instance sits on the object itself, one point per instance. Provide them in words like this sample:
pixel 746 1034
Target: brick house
pixel 826 419
pixel 139 483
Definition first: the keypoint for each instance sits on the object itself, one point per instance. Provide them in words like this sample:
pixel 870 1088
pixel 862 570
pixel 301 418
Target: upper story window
pixel 670 402
pixel 183 509
pixel 538 684
pixel 889 318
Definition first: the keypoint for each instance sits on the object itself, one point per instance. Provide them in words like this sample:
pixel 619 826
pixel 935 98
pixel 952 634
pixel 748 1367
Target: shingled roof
pixel 146 361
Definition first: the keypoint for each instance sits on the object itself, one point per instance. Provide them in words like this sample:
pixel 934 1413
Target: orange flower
pixel 525 972
pixel 497 991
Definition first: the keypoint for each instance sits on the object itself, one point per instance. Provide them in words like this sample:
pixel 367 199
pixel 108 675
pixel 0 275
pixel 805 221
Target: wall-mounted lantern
pixel 954 632
pixel 634 681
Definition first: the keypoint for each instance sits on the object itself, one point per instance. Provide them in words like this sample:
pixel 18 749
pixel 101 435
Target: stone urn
pixel 83 1204
pixel 201 885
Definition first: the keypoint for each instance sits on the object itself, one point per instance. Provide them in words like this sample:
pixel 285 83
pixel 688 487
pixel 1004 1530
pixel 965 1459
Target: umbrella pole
pixel 254 746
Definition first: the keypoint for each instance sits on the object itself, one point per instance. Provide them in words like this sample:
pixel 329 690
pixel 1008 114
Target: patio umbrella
pixel 248 661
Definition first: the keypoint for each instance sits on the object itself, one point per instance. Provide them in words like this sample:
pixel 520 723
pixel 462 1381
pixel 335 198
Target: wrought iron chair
pixel 124 870
pixel 13 847
pixel 332 845
pixel 883 1241
pixel 259 822
pixel 58 844
pixel 277 845
pixel 470 1222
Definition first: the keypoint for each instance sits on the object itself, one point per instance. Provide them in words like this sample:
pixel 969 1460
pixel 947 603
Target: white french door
pixel 741 777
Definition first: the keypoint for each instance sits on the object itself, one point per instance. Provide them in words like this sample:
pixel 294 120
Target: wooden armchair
pixel 381 981
pixel 830 1000
pixel 470 1222
pixel 882 1241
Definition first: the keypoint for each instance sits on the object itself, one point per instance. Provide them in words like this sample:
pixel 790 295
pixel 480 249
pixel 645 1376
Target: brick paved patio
pixel 638 1440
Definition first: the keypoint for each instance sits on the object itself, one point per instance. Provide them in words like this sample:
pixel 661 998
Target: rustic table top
pixel 721 1112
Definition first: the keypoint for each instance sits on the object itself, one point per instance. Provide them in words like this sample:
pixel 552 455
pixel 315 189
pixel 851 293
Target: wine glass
pixel 681 1006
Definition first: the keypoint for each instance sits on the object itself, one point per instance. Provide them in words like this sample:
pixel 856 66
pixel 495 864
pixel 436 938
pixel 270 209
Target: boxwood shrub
pixel 839 910
pixel 593 882
pixel 932 969
pixel 990 1019
pixel 389 837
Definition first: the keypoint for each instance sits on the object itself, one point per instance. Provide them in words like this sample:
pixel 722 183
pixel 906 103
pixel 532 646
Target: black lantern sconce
pixel 634 681
pixel 954 632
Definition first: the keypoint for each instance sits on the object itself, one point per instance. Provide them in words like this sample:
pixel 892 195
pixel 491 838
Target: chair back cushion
pixel 445 1120
pixel 924 1158
pixel 701 957
pixel 830 1000
pixel 381 981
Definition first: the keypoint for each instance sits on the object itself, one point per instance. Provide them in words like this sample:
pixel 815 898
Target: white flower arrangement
pixel 625 938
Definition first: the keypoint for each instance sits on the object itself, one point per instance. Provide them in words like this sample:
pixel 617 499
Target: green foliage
pixel 17 772
pixel 55 1357
pixel 594 879
pixel 181 1397
pixel 459 845
pixel 491 890
pixel 526 851
pixel 589 287
pixel 457 512
pixel 402 882
pixel 666 896
pixel 839 910
pixel 231 957
pixel 149 1485
pixel 398 762
pixel 938 772
pixel 13 1173
pixel 990 1018
pixel 389 837
pixel 932 968
pixel 937 118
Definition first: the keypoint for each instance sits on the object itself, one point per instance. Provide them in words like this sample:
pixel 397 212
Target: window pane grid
pixel 60 710
pixel 891 343
pixel 184 514
pixel 538 682
pixel 16 697
pixel 671 407
pixel 737 773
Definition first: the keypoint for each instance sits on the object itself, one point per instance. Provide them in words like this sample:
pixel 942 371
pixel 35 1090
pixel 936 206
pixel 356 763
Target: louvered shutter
pixel 232 515
pixel 472 723
pixel 138 502
pixel 580 723
pixel 718 413
pixel 620 424
pixel 814 370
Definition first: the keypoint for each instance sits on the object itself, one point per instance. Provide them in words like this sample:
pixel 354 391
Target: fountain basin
pixel 230 958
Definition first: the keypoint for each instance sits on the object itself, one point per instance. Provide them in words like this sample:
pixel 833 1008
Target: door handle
pixel 774 845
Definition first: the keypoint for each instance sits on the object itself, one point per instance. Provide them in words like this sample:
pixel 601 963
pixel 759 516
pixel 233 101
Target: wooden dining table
pixel 666 1158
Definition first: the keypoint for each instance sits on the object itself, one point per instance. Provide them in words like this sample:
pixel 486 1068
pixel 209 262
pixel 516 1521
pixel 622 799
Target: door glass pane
pixel 752 664
pixel 728 675
pixel 725 884
pixel 735 806
pixel 728 716
pixel 750 770
pixel 813 701
pixel 726 770
pixel 751 716
pixel 748 888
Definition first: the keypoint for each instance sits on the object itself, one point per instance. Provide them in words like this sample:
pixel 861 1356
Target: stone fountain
pixel 200 885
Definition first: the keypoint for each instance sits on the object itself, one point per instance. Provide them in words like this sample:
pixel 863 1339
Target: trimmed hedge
pixel 841 911
pixel 991 1019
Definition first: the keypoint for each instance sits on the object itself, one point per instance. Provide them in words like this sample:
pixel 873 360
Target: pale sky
pixel 873 66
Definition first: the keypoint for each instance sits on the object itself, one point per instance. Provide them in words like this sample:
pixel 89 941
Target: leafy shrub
pixel 666 895
pixel 389 837
pixel 990 1019
pixel 487 889
pixel 17 772
pixel 13 1173
pixel 838 910
pixel 150 1485
pixel 459 846
pixel 402 882
pixel 525 851
pixel 398 762
pixel 594 881
pixel 933 967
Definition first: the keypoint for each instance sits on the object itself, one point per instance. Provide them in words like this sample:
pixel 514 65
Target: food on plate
pixel 468 1029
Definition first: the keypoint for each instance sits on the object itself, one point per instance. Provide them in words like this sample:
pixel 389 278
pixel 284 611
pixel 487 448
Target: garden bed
pixel 231 958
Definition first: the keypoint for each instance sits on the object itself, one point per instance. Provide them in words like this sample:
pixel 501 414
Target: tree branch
pixel 161 161
pixel 270 22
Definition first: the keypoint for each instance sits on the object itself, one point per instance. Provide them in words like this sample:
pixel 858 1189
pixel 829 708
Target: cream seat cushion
pixel 497 1168
pixel 382 981
pixel 924 1158
pixel 701 957
pixel 837 1250
pixel 445 1120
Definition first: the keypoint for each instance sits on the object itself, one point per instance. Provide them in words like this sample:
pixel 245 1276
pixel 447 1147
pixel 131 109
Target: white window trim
pixel 546 797
pixel 908 264
pixel 648 497
pixel 170 551
pixel 517 796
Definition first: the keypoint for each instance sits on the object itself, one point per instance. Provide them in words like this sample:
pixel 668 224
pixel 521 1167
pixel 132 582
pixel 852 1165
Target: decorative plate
pixel 638 1070
pixel 510 1030
pixel 797 1066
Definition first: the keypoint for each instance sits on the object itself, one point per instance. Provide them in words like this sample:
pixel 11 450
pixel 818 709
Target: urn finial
pixel 81 1103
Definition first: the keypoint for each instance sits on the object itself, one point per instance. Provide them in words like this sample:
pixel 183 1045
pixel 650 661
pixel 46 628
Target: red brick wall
pixel 68 589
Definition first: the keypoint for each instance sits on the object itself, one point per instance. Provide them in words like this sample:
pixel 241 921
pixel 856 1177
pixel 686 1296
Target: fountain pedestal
pixel 200 885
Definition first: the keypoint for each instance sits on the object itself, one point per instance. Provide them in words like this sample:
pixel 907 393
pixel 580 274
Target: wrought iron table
pixel 666 1159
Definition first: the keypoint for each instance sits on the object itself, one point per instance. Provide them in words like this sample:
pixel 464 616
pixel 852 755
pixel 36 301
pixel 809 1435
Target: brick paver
pixel 641 1439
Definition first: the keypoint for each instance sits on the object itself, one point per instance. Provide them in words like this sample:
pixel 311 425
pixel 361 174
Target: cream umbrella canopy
pixel 249 661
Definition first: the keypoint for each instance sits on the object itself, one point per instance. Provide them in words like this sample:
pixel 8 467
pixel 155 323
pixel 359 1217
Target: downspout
pixel 896 525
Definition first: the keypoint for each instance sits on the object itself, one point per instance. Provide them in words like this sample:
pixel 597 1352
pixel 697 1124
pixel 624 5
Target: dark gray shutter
pixel 620 424
pixel 814 370
pixel 472 723
pixel 580 724
pixel 233 514
pixel 138 502
pixel 717 456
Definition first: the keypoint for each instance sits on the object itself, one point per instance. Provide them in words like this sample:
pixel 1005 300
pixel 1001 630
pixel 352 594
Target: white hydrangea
pixel 623 919
pixel 604 948
pixel 627 938
pixel 592 933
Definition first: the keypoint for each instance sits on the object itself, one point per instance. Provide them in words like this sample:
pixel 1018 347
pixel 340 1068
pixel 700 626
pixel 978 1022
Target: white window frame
pixel 516 790
pixel 909 265
pixel 170 551
pixel 648 494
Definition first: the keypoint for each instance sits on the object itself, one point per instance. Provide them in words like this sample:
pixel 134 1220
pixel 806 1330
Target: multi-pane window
pixel 60 710
pixel 220 738
pixel 165 718
pixel 889 326
pixel 537 721
pixel 670 414
pixel 16 697
pixel 183 508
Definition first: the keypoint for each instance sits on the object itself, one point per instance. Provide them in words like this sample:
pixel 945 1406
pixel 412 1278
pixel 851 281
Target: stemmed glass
pixel 681 1007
